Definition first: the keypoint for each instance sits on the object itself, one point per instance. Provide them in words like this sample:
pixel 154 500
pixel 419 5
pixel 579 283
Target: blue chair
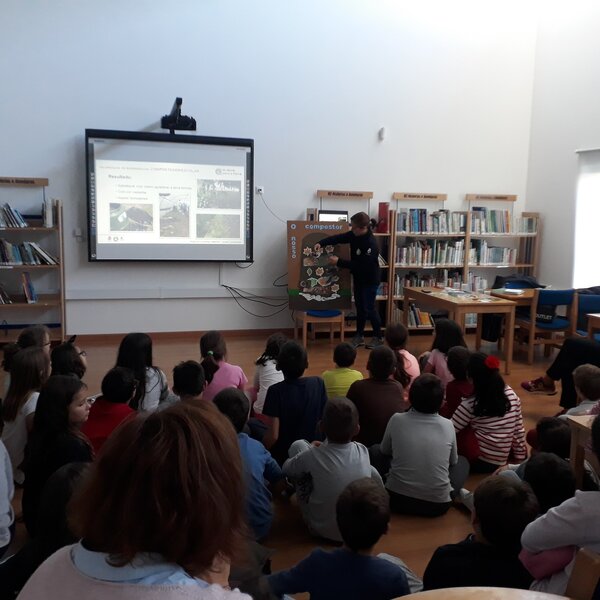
pixel 543 325
pixel 586 304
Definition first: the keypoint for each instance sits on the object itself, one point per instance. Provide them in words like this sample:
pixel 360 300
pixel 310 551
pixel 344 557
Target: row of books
pixel 28 289
pixel 476 282
pixel 25 253
pixel 11 217
pixel 484 220
pixel 483 254
pixel 418 317
pixel 420 220
pixel 430 253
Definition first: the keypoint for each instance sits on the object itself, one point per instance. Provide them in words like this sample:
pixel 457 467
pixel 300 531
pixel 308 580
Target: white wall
pixel 565 118
pixel 311 81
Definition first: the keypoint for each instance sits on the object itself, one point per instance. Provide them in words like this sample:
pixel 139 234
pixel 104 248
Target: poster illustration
pixel 313 283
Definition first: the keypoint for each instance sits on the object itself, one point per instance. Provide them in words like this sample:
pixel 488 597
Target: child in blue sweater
pixel 350 572
pixel 259 466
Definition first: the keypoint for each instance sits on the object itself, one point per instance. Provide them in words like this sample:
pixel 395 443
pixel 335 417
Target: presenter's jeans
pixel 573 352
pixel 364 298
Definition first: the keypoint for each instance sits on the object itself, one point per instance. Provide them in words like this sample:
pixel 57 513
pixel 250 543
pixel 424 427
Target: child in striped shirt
pixel 493 415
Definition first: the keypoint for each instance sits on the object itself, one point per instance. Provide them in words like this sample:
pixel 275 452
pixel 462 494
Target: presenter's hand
pixel 333 260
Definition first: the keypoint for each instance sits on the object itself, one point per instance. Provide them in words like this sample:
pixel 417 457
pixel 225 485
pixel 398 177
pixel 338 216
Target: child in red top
pixel 112 407
pixel 460 387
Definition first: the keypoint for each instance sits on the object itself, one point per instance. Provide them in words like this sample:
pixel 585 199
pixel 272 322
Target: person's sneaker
pixel 374 343
pixel 358 340
pixel 537 386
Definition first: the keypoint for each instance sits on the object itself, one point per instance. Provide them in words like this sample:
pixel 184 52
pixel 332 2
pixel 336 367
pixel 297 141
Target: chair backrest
pixel 585 575
pixel 586 304
pixel 555 297
pixel 545 303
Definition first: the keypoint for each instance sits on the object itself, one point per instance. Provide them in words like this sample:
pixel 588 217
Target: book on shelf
pixel 382 261
pixel 11 217
pixel 25 253
pixel 383 218
pixel 430 253
pixel 481 253
pixel 420 220
pixel 4 297
pixel 28 289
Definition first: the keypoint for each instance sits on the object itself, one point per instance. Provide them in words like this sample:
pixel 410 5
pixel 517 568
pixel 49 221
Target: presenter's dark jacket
pixel 364 256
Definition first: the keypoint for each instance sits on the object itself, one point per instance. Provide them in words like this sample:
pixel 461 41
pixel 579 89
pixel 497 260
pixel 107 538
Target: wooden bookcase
pixel 471 267
pixel 47 279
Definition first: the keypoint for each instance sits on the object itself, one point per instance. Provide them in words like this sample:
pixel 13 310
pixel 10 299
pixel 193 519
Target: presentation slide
pixel 194 204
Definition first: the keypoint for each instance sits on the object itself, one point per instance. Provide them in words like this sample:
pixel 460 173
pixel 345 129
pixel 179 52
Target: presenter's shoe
pixel 374 343
pixel 358 340
pixel 538 386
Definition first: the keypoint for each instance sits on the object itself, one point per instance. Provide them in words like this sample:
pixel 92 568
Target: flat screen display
pixel 162 197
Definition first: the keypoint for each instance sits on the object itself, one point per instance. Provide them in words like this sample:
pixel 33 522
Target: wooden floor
pixel 411 538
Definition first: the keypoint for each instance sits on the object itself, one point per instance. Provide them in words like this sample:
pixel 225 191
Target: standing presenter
pixel 364 266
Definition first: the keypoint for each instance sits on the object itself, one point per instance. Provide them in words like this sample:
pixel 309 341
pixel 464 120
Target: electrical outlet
pixel 260 189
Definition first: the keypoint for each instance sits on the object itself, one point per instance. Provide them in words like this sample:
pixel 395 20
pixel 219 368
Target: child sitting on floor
pixel 460 387
pixel 295 405
pixel 407 365
pixel 574 523
pixel 338 380
pixel 378 397
pixel 111 408
pixel 351 572
pixel 321 471
pixel 447 335
pixel 586 379
pixel 266 373
pixel 489 557
pixel 189 381
pixel 491 418
pixel 425 467
pixel 218 372
pixel 257 462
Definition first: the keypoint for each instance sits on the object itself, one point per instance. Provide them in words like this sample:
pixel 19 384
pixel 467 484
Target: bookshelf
pixel 435 246
pixel 31 259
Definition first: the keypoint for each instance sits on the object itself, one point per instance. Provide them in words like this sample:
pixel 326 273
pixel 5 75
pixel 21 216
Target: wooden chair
pixel 545 333
pixel 333 317
pixel 585 575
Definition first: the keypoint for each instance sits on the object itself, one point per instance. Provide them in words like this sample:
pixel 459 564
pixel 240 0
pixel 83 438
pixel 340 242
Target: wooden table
pixel 459 306
pixel 581 430
pixel 483 593
pixel 523 299
pixel 593 324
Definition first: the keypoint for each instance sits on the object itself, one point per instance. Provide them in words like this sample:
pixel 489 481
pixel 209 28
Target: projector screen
pixel 162 197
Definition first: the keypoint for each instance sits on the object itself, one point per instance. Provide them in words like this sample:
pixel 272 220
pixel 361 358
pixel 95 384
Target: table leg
pixel 478 332
pixel 304 333
pixel 509 334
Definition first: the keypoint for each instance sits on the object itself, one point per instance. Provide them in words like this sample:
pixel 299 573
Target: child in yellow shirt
pixel 338 380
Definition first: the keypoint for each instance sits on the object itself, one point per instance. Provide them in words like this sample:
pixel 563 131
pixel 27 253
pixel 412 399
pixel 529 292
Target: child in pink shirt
pixel 447 335
pixel 407 365
pixel 219 373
